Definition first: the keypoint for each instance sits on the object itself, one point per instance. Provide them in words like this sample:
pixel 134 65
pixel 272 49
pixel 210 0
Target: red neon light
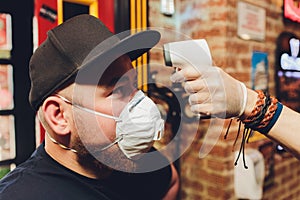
pixel 291 11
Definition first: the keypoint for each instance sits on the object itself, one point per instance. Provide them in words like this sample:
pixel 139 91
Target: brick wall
pixel 211 177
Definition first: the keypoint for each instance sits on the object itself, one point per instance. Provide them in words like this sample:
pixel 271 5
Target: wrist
pixel 251 101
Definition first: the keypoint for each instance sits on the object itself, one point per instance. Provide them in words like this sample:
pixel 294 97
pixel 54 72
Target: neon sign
pixel 292 10
pixel 291 62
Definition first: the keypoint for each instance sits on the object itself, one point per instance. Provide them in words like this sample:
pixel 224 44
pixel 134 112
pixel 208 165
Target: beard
pixel 88 161
pixel 87 143
pixel 102 162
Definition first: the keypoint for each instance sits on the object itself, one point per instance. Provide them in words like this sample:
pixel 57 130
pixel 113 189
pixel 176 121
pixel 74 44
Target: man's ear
pixel 55 115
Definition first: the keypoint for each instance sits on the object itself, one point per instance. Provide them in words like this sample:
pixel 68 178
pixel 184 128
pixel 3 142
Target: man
pixel 83 87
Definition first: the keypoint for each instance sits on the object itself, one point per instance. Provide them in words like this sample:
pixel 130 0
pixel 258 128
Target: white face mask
pixel 138 125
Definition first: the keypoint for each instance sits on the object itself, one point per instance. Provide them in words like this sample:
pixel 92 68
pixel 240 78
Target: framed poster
pixel 6 87
pixel 5 35
pixel 251 22
pixel 7 137
pixel 259 72
pixel 5 31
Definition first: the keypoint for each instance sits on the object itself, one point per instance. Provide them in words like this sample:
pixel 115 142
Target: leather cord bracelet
pixel 262 118
pixel 256 121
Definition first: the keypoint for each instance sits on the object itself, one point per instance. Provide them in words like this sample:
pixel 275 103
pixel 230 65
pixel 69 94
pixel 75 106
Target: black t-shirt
pixel 42 178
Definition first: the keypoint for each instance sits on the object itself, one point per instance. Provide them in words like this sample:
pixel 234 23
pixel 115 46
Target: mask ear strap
pixel 88 110
pixel 118 139
pixel 97 113
pixel 59 144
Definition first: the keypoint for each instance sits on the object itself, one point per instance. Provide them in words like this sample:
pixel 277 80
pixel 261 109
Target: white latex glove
pixel 212 91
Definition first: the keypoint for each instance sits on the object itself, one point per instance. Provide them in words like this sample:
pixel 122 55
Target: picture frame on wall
pixel 251 21
pixel 260 71
pixel 5 35
pixel 7 137
pixel 6 87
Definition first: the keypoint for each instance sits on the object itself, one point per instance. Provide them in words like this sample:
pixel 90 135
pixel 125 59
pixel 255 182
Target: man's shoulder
pixel 41 178
pixel 24 183
pixel 16 183
pixel 20 178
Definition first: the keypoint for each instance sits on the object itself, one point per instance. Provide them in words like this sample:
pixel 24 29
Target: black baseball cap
pixel 64 52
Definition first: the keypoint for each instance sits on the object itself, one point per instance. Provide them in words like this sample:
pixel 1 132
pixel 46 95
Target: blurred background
pixel 256 42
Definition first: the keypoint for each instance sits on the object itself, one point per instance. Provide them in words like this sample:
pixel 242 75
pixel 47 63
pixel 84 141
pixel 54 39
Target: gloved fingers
pixel 186 74
pixel 209 109
pixel 199 98
pixel 198 85
pixel 205 109
pixel 212 91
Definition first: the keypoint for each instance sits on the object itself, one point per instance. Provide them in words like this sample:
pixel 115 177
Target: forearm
pixel 286 131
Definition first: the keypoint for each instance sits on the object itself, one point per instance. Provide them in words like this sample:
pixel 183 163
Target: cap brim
pixel 134 46
pixel 145 41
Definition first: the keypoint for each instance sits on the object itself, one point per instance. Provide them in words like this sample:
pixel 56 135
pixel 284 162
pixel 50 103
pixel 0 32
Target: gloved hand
pixel 212 91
